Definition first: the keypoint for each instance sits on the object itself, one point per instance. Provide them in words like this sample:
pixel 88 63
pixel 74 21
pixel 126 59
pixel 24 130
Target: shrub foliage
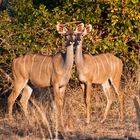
pixel 33 29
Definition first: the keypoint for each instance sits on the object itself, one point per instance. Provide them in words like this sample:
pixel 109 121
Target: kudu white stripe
pixel 33 59
pixel 102 64
pixel 47 68
pixel 106 59
pixel 41 65
pixel 97 68
pixel 24 64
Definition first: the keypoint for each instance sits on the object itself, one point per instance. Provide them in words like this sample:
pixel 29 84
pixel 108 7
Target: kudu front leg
pixel 59 101
pixel 88 96
pixel 83 86
pixel 62 102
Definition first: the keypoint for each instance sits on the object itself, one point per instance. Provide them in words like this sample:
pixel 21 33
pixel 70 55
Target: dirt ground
pixel 34 127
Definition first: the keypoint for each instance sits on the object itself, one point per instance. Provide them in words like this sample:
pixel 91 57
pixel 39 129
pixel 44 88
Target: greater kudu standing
pixel 43 71
pixel 100 69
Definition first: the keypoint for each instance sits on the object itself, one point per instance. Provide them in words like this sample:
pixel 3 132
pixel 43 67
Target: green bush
pixel 33 30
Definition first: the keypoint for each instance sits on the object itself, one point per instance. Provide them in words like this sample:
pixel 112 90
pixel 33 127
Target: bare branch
pixel 68 23
pixel 9 79
pixel 137 107
pixel 44 119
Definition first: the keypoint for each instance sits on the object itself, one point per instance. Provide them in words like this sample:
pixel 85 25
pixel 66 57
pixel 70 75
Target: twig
pixel 43 117
pixel 137 107
pixel 17 33
pixel 9 79
pixel 67 23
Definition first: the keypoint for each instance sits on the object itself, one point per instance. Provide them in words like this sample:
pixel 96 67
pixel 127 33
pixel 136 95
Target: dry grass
pixel 41 118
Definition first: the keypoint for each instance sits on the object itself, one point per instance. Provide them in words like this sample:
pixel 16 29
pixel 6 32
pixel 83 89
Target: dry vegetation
pixel 41 115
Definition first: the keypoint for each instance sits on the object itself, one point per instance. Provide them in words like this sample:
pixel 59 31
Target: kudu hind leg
pixel 86 89
pixel 106 89
pixel 25 97
pixel 120 94
pixel 18 86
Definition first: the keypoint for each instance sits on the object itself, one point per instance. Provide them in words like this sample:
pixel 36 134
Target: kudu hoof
pixel 87 121
pixel 9 117
pixel 103 120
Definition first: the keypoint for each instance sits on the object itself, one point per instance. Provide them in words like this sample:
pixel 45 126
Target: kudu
pixel 99 69
pixel 43 71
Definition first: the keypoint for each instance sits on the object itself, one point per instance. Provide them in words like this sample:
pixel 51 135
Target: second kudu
pixel 43 71
pixel 99 69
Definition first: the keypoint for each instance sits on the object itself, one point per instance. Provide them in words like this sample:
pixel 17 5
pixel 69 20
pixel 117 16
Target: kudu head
pixel 67 33
pixel 80 32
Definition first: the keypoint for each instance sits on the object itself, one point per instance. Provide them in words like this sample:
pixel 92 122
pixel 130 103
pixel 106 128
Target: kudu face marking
pixel 78 39
pixel 68 35
pixel 80 32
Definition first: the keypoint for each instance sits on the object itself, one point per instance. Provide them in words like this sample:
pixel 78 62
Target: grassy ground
pixel 41 113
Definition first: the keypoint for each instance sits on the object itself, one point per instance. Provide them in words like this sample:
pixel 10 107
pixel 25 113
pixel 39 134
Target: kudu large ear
pixel 79 28
pixel 87 29
pixel 61 29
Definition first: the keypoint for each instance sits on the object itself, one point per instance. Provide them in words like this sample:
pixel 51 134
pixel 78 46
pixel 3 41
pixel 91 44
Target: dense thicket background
pixel 29 26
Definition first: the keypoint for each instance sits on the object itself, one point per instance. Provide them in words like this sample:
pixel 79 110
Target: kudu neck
pixel 79 55
pixel 69 57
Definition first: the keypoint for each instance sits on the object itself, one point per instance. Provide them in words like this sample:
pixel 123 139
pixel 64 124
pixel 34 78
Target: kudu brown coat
pixel 43 71
pixel 98 69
